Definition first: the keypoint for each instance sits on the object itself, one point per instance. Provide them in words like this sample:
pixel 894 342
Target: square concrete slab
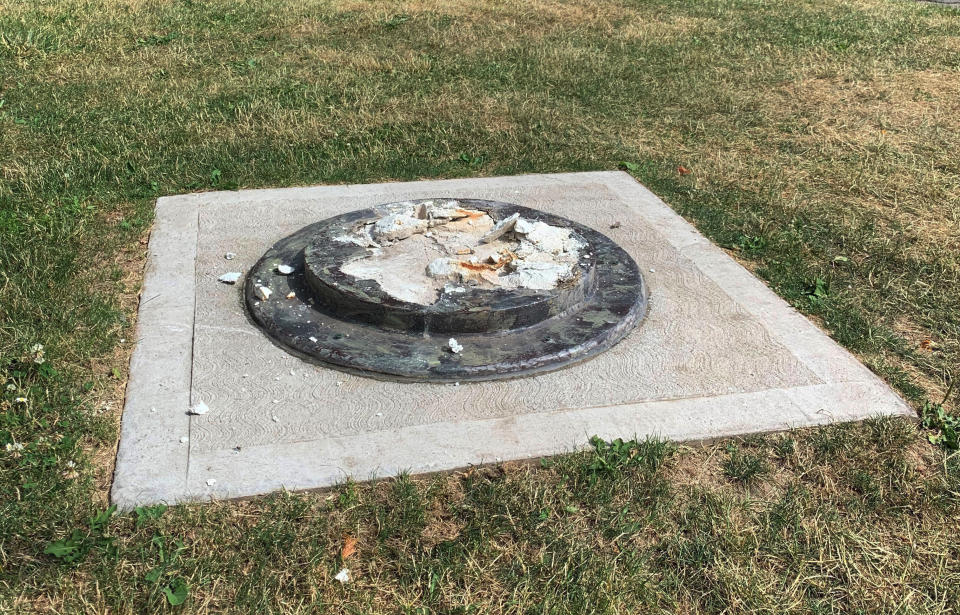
pixel 718 354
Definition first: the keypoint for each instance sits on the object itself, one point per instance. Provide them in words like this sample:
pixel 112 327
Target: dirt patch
pixel 109 393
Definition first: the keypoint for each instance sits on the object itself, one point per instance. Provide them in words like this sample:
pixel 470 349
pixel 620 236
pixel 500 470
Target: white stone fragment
pixel 198 408
pixel 552 239
pixel 313 339
pixel 450 210
pixel 284 269
pixel 343 576
pixel 211 482
pixel 537 276
pixel 275 418
pixel 184 439
pixel 502 228
pixel 440 268
pixel 394 227
pixel 230 278
pixel 454 346
pixel 264 292
pixel 362 239
pixel 229 256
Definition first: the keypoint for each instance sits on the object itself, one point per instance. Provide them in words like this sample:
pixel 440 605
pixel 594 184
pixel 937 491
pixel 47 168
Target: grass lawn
pixel 819 141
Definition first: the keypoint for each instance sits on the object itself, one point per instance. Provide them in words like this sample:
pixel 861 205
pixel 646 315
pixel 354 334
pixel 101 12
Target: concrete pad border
pixel 154 466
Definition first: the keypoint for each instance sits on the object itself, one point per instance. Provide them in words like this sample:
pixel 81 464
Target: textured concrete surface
pixel 719 354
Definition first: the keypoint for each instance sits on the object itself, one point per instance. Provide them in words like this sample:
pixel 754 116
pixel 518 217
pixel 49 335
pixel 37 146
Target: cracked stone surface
pixel 718 354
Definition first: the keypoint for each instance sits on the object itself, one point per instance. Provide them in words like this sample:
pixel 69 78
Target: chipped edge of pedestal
pixel 449 445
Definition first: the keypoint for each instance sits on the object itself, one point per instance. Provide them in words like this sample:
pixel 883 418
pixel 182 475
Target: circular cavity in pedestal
pixel 382 291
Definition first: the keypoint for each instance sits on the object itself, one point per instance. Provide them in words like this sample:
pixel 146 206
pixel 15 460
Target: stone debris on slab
pixel 230 278
pixel 198 408
pixel 229 256
pixel 211 482
pixel 395 227
pixel 263 292
pixel 462 245
pixel 284 269
pixel 502 228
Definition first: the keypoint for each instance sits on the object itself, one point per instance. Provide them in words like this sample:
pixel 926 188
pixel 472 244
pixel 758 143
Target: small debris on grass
pixel 349 546
pixel 229 256
pixel 343 576
pixel 264 292
pixel 455 347
pixel 284 269
pixel 198 408
pixel 230 278
pixel 211 482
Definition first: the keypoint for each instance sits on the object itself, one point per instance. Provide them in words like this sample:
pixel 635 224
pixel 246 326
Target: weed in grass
pixel 611 458
pixel 80 542
pixel 744 467
pixel 946 427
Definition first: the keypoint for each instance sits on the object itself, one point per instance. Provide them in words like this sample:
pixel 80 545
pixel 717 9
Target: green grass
pixel 823 144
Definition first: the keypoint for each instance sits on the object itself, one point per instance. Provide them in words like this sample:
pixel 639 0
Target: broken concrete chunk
pixel 441 268
pixel 450 210
pixel 454 346
pixel 230 278
pixel 362 239
pixel 264 292
pixel 284 269
pixel 198 408
pixel 502 228
pixel 394 227
pixel 537 276
pixel 547 238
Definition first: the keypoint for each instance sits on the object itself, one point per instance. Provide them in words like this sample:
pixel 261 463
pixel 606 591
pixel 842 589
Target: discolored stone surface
pixel 717 354
pixel 352 323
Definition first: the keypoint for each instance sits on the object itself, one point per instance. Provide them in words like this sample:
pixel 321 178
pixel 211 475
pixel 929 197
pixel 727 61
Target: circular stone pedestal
pixel 446 290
